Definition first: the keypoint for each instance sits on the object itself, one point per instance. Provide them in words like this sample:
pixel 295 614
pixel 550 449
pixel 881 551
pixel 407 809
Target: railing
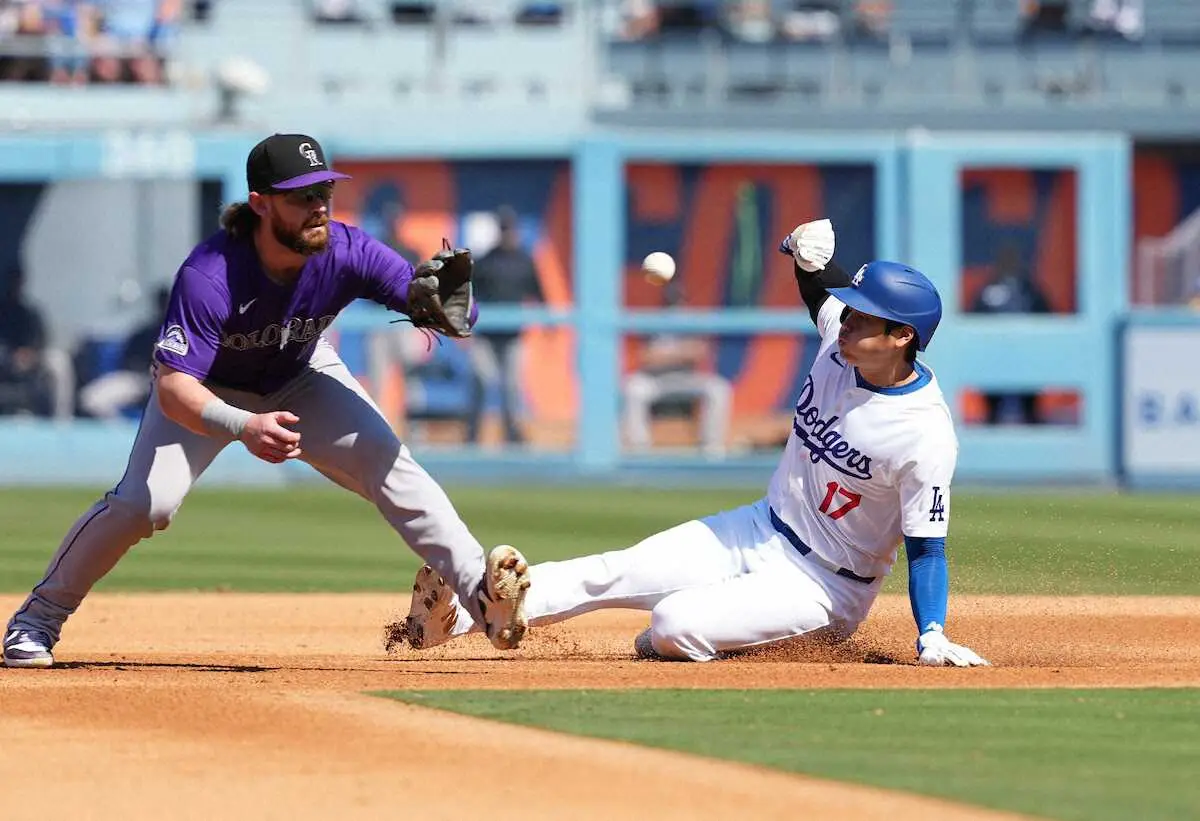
pixel 915 198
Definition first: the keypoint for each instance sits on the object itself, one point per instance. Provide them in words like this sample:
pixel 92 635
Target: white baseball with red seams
pixel 659 267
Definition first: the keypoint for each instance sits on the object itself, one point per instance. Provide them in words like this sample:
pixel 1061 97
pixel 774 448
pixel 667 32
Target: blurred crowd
pixel 754 20
pixel 457 12
pixel 127 41
pixel 86 41
pixel 818 20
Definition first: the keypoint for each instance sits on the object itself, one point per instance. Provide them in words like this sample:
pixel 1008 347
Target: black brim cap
pixel 285 162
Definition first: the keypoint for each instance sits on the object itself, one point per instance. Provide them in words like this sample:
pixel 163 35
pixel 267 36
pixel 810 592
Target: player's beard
pixel 311 238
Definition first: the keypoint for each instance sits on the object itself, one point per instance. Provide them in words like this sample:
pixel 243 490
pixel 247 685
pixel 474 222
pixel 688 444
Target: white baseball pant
pixel 723 583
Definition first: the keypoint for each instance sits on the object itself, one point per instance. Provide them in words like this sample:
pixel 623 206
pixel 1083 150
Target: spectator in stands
pixel 670 371
pixel 25 381
pixel 1123 17
pixel 336 11
pixel 505 274
pixel 641 19
pixel 111 394
pixel 1044 17
pixel 1011 290
pixel 136 35
pixel 750 20
pixel 811 20
pixel 871 18
pixel 70 25
pixel 638 20
pixel 22 19
pixel 540 14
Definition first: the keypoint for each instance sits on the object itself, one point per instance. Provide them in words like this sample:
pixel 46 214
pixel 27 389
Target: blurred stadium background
pixel 1039 160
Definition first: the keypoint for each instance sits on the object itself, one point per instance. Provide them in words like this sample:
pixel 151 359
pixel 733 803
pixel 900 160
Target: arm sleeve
pixel 814 287
pixel 191 332
pixel 928 580
pixel 385 274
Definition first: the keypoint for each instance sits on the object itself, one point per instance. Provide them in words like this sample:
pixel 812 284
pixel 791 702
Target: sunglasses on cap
pixel 303 197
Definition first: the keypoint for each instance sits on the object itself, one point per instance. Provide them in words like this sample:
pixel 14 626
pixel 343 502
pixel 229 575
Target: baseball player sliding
pixel 242 358
pixel 868 463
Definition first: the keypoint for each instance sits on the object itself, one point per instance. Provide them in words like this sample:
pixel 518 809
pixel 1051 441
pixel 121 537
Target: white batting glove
pixel 938 651
pixel 811 244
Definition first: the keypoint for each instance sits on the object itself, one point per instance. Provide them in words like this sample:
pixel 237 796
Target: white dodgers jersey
pixel 864 466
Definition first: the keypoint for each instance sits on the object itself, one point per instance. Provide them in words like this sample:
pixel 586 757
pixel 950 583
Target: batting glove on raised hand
pixel 935 650
pixel 811 245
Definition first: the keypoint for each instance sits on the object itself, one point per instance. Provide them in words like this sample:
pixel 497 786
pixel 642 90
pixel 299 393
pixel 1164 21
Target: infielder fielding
pixel 869 462
pixel 242 358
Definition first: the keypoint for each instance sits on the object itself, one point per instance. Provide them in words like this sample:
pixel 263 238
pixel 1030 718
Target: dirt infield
pixel 250 706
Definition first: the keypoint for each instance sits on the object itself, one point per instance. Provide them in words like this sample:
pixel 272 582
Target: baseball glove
pixel 440 296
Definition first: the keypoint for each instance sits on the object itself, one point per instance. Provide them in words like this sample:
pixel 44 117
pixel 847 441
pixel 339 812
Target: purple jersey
pixel 229 324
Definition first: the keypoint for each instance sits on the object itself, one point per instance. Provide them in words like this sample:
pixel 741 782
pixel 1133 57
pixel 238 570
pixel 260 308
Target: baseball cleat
pixel 643 647
pixel 432 613
pixel 27 648
pixel 502 597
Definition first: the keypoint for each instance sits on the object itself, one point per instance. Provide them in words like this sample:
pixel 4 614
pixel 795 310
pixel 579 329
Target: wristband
pixel 223 419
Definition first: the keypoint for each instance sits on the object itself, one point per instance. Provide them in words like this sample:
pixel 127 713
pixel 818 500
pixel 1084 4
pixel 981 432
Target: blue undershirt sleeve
pixel 928 580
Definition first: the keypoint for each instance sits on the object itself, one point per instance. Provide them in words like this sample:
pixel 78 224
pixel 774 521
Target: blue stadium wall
pixel 591 207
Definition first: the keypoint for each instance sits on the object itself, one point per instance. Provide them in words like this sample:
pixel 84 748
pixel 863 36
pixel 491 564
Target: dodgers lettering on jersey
pixel 864 466
pixel 229 324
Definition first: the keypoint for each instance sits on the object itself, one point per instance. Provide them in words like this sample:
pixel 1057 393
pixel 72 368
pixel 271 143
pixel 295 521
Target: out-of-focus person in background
pixel 1011 290
pixel 111 395
pixel 336 11
pixel 872 18
pixel 70 28
pixel 505 274
pixel 1122 17
pixel 134 38
pixel 21 20
pixel 671 370
pixel 35 379
pixel 1045 17
pixel 810 20
pixel 636 20
pixel 750 21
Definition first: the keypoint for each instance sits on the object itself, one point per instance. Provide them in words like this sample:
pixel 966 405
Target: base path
pixel 250 706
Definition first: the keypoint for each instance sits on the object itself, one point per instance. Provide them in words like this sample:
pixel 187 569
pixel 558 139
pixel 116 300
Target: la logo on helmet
pixel 858 277
pixel 309 153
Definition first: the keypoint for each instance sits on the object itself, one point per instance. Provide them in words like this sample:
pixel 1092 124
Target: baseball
pixel 658 267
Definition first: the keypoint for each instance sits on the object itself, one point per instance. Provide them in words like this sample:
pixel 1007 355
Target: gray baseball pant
pixel 343 435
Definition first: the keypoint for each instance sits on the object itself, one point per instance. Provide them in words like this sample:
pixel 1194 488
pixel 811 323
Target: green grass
pixel 316 538
pixel 1077 755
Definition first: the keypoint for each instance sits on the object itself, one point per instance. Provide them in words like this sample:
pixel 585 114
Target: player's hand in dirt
pixel 266 437
pixel 935 650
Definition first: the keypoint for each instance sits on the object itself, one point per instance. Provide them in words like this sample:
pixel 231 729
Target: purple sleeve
pixel 191 331
pixel 384 273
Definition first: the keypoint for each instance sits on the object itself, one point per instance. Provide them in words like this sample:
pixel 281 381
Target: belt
pixel 805 550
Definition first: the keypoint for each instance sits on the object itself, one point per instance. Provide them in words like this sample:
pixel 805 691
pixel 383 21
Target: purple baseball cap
pixel 284 162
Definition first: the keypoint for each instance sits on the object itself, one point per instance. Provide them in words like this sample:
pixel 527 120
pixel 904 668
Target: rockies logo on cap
pixel 284 162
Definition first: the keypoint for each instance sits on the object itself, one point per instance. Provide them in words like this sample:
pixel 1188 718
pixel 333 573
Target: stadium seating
pixel 979 56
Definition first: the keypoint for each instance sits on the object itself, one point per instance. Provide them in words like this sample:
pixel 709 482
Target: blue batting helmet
pixel 897 292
